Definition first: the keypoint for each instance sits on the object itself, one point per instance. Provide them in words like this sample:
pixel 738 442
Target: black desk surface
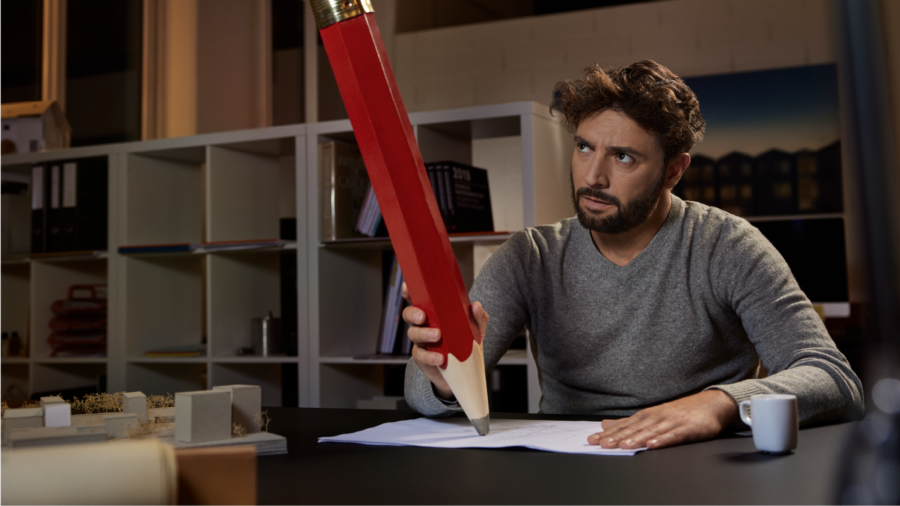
pixel 725 470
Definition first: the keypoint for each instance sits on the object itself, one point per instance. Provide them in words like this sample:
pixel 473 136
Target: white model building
pixel 34 126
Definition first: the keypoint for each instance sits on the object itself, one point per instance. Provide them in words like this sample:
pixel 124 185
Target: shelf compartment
pixel 14 383
pixel 350 301
pixel 58 377
pixel 16 279
pixel 267 376
pixel 249 188
pixel 493 144
pixel 164 202
pixel 163 302
pixel 51 282
pixel 240 287
pixel 166 378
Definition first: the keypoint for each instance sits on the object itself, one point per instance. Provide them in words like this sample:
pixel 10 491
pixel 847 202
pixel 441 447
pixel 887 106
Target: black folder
pixel 83 212
pixel 39 197
pixel 54 224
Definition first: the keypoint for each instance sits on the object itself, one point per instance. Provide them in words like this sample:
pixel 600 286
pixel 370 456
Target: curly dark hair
pixel 650 94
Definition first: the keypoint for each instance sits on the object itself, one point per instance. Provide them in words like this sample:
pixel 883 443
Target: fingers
pixel 414 316
pixel 404 292
pixel 481 317
pixel 423 357
pixel 629 433
pixel 424 336
pixel 608 424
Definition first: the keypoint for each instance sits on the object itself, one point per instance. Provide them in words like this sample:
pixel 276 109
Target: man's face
pixel 617 173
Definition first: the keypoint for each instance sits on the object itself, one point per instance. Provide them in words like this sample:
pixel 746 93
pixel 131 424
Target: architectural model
pixel 225 415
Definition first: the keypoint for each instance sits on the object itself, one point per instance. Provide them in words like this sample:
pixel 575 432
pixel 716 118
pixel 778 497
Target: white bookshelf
pixel 526 153
pixel 234 186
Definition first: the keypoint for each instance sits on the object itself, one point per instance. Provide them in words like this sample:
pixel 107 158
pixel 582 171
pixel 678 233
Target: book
pixel 390 319
pixel 183 351
pixel 216 246
pixel 344 183
pixel 157 248
pixel 370 222
pixel 463 195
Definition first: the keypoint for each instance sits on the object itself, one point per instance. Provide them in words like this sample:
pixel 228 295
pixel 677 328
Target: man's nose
pixel 597 175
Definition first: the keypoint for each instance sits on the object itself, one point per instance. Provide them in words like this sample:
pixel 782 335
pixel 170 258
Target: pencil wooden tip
pixel 482 425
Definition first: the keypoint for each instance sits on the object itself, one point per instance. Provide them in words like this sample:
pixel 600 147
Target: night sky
pixel 753 112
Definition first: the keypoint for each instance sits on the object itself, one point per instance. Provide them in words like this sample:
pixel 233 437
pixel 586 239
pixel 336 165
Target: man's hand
pixel 421 336
pixel 693 418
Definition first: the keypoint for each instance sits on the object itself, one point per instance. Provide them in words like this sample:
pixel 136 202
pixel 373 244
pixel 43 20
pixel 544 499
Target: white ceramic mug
pixel 774 420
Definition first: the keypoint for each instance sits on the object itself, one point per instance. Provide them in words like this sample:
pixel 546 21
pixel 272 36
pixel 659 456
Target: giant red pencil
pixel 388 145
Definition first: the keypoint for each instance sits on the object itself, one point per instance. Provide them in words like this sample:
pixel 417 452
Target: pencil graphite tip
pixel 482 425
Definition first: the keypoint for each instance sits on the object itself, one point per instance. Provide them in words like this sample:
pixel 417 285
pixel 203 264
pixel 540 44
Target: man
pixel 645 306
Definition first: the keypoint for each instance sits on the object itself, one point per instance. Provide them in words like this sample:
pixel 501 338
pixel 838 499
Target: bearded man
pixel 645 306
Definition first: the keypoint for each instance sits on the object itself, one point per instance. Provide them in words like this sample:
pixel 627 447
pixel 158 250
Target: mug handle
pixel 744 410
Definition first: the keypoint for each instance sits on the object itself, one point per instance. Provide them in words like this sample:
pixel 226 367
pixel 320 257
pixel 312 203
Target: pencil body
pixel 388 146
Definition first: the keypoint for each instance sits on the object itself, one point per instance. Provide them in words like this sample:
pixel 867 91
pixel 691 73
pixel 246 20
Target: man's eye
pixel 582 147
pixel 622 157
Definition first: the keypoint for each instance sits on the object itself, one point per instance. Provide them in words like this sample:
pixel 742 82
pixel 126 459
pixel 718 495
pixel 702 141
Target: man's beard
pixel 627 217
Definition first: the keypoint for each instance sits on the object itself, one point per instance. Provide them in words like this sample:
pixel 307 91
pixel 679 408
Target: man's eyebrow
pixel 625 149
pixel 581 140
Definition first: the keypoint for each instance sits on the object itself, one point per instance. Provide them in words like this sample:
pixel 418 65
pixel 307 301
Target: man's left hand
pixel 693 418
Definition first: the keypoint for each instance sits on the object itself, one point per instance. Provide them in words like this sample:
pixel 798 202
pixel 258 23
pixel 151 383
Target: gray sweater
pixel 698 308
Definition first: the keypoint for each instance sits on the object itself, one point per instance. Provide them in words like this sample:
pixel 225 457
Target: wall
pixel 522 59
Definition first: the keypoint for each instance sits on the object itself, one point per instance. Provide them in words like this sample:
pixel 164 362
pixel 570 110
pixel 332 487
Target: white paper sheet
pixel 546 435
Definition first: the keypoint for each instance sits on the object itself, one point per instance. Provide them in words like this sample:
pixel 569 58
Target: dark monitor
pixel 815 251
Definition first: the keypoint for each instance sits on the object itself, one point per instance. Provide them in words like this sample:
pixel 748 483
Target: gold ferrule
pixel 329 12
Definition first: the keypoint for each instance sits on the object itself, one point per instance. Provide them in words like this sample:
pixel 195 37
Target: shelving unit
pixel 232 186
pixel 235 186
pixel 526 153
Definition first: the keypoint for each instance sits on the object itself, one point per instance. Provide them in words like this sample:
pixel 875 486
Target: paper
pixel 547 435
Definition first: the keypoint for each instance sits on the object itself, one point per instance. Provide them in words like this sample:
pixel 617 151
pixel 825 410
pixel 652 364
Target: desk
pixel 725 470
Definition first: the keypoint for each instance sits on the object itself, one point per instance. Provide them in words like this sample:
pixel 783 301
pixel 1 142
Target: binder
pixel 83 208
pixel 54 222
pixel 16 213
pixel 39 197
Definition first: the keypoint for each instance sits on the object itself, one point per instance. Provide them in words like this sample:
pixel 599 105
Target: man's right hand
pixel 421 336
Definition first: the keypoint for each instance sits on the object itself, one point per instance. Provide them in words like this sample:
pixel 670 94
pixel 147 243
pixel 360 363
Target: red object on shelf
pixel 79 327
pixel 93 304
pixel 75 324
pixel 77 339
pixel 391 155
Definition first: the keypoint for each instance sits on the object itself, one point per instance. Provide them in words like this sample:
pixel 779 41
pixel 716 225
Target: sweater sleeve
pixel 786 331
pixel 498 288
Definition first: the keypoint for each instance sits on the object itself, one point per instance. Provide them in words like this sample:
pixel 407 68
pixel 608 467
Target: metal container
pixel 266 334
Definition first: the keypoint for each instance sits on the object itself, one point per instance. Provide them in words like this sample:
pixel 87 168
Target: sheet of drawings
pixel 546 435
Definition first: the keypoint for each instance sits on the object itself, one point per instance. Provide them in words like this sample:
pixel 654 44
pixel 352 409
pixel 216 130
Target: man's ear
pixel 675 169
